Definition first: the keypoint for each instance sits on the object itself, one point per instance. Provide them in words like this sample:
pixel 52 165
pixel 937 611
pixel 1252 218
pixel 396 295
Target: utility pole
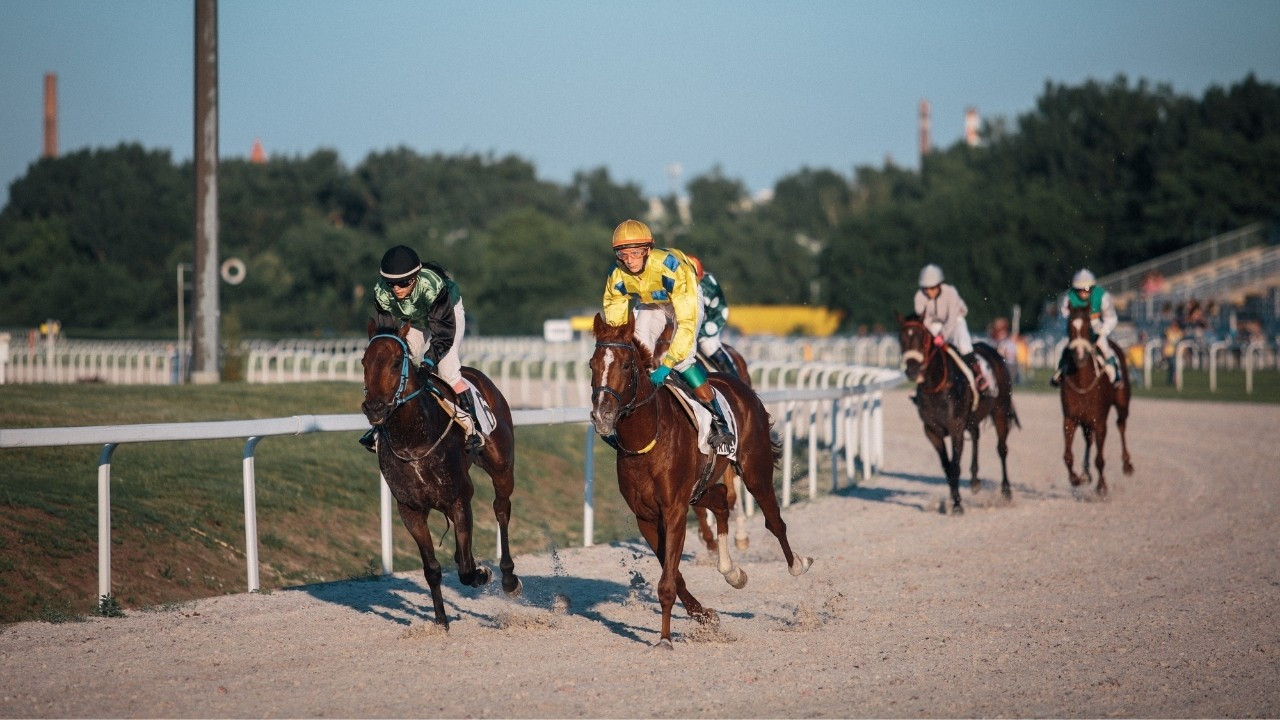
pixel 205 338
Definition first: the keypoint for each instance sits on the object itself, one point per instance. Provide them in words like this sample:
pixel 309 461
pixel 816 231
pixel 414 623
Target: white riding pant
pixel 450 366
pixel 651 320
pixel 709 345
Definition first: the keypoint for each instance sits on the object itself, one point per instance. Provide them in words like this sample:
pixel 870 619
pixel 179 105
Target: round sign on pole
pixel 232 271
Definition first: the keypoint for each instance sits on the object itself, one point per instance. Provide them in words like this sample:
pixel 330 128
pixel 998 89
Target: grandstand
pixel 1236 275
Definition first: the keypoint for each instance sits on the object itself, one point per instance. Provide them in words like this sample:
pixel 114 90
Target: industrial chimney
pixel 924 128
pixel 971 126
pixel 50 115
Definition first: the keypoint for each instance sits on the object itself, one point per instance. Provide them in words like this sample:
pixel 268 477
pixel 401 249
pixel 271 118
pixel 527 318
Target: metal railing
pixel 853 413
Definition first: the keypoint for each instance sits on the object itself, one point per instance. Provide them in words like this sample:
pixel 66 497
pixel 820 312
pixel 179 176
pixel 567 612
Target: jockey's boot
pixel 720 438
pixel 1113 369
pixel 475 440
pixel 721 358
pixel 1056 380
pixel 979 377
pixel 370 441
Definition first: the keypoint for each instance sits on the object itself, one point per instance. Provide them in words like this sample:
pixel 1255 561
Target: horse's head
pixel 386 368
pixel 1079 332
pixel 618 373
pixel 916 343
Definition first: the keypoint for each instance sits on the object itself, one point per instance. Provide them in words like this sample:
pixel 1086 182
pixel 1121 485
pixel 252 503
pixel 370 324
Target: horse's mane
pixel 384 322
pixel 604 332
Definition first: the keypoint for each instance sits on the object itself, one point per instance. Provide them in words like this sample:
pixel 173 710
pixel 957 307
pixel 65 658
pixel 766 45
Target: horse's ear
pixel 598 325
pixel 373 327
pixel 897 316
pixel 403 332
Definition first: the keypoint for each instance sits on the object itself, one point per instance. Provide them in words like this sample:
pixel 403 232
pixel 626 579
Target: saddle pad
pixel 487 419
pixel 702 419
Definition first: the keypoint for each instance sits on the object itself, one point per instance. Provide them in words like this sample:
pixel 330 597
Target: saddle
pixel 968 374
pixel 702 420
pixel 488 421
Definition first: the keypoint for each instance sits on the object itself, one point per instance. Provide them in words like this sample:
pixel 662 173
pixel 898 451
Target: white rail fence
pixel 534 373
pixel 842 405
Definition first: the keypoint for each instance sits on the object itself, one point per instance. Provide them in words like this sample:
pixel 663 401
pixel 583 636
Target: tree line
pixel 1101 174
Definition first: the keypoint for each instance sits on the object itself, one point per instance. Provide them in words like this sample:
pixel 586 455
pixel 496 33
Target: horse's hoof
pixel 663 644
pixel 708 617
pixel 737 578
pixel 512 586
pixel 975 486
pixel 1006 492
pixel 1128 469
pixel 482 577
pixel 800 565
pixel 1102 491
pixel 957 509
pixel 742 543
pixel 1076 480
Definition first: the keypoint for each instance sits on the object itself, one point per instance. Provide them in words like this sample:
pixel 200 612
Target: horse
pixel 739 362
pixel 661 471
pixel 421 455
pixel 949 406
pixel 1087 396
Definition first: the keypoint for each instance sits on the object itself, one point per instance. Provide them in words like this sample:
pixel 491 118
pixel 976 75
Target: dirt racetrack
pixel 1162 601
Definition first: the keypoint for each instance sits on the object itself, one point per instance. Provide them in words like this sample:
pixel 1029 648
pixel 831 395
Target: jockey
pixel 715 315
pixel 430 301
pixel 940 308
pixel 1086 292
pixel 645 279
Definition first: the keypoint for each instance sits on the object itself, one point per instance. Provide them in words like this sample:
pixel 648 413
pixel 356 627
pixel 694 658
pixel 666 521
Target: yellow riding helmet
pixel 631 232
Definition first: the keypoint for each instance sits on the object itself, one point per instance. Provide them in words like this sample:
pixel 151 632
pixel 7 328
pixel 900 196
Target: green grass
pixel 177 508
pixel 1195 386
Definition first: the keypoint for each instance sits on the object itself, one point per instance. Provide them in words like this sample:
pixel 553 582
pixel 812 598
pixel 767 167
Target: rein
pixel 399 400
pixel 1088 354
pixel 629 406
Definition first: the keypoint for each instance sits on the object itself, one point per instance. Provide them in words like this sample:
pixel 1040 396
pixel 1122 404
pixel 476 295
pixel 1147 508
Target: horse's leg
pixel 671 546
pixel 738 507
pixel 1122 417
pixel 470 573
pixel 704 529
pixel 1068 457
pixel 715 500
pixel 974 483
pixel 416 523
pixel 1086 429
pixel 504 483
pixel 757 475
pixel 649 531
pixel 953 471
pixel 940 447
pixel 1101 432
pixel 1000 418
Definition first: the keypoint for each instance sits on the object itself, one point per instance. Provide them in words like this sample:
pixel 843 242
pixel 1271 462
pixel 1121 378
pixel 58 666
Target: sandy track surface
pixel 1163 600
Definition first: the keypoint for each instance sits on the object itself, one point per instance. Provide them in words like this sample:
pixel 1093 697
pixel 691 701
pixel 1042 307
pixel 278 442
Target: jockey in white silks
pixel 943 312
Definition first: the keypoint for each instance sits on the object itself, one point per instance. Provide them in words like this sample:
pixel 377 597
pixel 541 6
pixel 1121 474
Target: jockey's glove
pixel 659 376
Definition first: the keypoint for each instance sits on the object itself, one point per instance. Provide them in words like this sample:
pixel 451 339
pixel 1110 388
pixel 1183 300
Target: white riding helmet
pixel 1083 280
pixel 930 276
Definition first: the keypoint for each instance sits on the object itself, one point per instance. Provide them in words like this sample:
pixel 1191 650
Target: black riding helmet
pixel 399 263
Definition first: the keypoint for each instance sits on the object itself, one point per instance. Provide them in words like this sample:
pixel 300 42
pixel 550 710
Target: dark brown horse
pixel 1087 396
pixel 660 466
pixel 950 406
pixel 421 455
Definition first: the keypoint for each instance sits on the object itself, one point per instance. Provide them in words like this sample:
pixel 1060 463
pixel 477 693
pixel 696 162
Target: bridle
pixel 628 406
pixel 925 357
pixel 400 399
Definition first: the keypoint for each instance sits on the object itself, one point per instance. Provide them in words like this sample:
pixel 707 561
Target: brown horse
pixel 1087 396
pixel 421 455
pixel 660 466
pixel 946 403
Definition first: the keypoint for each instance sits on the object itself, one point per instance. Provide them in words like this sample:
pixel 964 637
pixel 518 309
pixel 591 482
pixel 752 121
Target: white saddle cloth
pixel 702 417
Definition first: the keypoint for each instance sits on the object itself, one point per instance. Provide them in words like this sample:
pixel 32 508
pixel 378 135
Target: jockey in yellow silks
pixel 645 279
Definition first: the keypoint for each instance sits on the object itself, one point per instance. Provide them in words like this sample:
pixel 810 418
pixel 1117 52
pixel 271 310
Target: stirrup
pixel 473 443
pixel 1055 380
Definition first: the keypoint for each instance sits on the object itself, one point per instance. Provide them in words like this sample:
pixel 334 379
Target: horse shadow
pixel 926 498
pixel 406 600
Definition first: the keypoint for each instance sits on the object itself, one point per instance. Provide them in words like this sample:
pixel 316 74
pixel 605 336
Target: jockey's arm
pixel 684 301
pixel 1108 320
pixel 441 327
pixel 617 304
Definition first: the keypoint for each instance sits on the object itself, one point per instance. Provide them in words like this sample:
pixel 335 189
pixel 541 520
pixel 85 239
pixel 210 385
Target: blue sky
pixel 759 89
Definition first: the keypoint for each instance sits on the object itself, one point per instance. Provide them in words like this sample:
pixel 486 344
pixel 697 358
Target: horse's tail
pixel 775 446
pixel 1013 415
